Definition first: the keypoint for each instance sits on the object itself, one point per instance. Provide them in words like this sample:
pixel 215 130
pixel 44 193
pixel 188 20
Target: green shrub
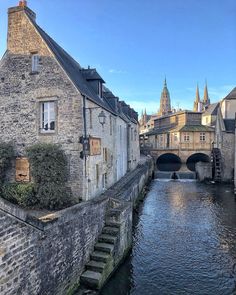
pixel 49 170
pixel 6 154
pixel 19 193
pixel 48 163
pixel 53 196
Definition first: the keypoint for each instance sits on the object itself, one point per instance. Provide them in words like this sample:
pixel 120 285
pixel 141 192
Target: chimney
pixel 17 24
pixel 22 3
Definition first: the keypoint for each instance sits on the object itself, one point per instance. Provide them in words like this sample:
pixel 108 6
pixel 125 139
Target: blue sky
pixel 135 43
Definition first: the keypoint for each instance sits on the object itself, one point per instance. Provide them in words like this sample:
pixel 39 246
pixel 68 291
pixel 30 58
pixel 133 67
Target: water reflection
pixel 184 243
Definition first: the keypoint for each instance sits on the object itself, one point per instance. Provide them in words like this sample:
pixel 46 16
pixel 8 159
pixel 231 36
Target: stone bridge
pixel 176 159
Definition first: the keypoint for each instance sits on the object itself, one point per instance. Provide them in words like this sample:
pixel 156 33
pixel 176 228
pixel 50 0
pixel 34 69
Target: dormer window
pixel 99 89
pixel 35 62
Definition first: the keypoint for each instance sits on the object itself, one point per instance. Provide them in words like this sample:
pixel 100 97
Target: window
pixel 104 181
pixel 175 136
pixel 99 89
pixel 161 138
pixel 104 154
pixel 90 119
pixel 111 125
pixel 35 63
pixel 186 137
pixel 47 116
pixel 202 136
pixel 97 175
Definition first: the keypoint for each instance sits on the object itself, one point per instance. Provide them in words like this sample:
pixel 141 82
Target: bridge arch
pixel 168 162
pixel 197 157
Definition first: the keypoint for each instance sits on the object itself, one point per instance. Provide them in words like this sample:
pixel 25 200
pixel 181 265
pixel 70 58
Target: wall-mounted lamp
pixel 102 118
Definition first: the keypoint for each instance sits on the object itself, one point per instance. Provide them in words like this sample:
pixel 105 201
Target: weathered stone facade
pixel 59 79
pixel 46 255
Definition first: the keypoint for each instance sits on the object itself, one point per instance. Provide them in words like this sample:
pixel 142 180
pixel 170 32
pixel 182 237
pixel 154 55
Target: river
pixel 184 243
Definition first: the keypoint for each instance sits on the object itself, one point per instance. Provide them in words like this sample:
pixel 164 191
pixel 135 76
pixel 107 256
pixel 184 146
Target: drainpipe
pixel 235 157
pixel 85 132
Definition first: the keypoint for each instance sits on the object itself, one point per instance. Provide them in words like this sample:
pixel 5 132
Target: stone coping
pixel 44 219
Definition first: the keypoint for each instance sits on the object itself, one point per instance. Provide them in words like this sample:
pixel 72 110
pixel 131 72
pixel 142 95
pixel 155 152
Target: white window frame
pixel 202 136
pixel 49 118
pixel 186 137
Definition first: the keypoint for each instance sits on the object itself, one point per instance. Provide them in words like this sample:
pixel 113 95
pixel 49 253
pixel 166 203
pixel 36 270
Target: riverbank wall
pixel 46 255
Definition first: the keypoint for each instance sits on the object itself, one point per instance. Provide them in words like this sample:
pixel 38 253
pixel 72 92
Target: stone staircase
pixel 101 263
pixel 216 161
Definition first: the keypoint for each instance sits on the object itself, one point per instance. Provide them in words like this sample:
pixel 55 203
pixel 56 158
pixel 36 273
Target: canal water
pixel 184 243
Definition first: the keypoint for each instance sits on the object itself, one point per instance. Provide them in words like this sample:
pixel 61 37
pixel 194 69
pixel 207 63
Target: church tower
pixel 206 99
pixel 165 105
pixel 197 107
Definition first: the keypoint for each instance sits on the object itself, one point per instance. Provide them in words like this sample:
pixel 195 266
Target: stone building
pixel 147 121
pixel 47 97
pixel 224 142
pixel 209 115
pixel 179 137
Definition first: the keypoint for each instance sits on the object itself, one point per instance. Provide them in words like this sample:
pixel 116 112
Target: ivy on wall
pixel 6 155
pixel 49 170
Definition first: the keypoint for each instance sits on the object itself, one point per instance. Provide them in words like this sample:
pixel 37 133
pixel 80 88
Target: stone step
pixel 107 238
pixel 104 247
pixel 114 212
pixel 100 256
pixel 91 279
pixel 112 223
pixel 110 230
pixel 97 266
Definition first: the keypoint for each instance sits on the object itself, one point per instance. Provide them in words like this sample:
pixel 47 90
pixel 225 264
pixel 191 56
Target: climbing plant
pixel 6 155
pixel 49 169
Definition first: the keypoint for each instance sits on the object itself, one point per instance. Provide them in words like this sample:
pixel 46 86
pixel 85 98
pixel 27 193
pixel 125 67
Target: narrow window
pixel 186 137
pixel 97 175
pixel 111 125
pixel 90 119
pixel 35 63
pixel 175 137
pixel 47 116
pixel 202 136
pixel 104 181
pixel 104 154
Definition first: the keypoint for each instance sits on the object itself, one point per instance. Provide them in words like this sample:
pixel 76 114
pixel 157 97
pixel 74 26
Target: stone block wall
pixel 203 171
pixel 47 256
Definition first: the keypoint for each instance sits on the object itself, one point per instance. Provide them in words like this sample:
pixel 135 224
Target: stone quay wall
pixel 46 255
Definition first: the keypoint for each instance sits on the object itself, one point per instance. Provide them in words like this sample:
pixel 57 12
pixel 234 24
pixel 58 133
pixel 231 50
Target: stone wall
pixel 203 171
pixel 228 156
pixel 46 255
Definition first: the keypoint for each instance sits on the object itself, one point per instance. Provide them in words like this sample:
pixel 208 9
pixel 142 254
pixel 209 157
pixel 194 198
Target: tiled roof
pixel 91 74
pixel 72 69
pixel 192 128
pixel 232 94
pixel 212 109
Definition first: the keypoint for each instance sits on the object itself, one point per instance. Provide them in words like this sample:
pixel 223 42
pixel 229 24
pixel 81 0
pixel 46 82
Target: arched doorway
pixel 168 162
pixel 193 159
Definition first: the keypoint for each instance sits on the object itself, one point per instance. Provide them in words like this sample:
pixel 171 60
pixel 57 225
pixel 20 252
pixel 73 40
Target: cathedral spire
pixel 165 104
pixel 197 103
pixel 206 100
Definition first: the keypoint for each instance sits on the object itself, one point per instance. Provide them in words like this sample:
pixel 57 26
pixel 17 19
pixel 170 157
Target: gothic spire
pixel 197 99
pixel 165 104
pixel 206 100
